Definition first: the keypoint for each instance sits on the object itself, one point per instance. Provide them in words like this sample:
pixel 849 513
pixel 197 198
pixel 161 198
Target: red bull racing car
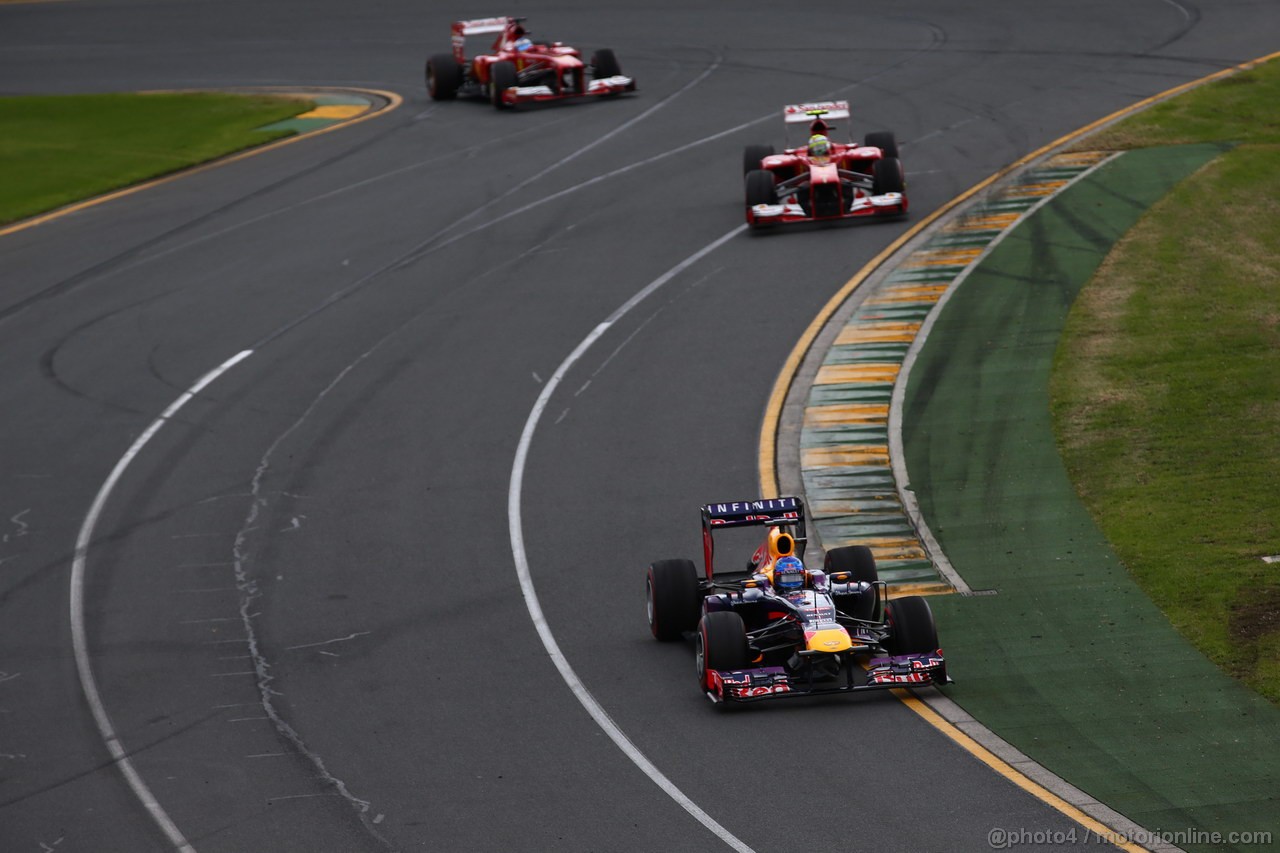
pixel 520 69
pixel 823 180
pixel 776 629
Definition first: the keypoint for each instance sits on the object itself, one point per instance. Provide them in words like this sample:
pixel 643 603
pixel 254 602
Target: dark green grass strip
pixel 1070 662
pixel 57 150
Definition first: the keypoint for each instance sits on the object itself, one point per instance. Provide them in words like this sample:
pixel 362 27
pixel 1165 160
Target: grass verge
pixel 55 150
pixel 1166 383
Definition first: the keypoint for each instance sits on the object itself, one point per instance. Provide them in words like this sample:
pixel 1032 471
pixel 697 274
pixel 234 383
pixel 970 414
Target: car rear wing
pixel 476 27
pixel 825 110
pixel 480 26
pixel 753 513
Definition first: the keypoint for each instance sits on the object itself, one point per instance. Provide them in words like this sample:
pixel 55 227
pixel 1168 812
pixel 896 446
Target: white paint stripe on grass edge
pixel 79 642
pixel 580 691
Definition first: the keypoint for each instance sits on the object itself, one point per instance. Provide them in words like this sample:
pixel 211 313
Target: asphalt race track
pixel 302 608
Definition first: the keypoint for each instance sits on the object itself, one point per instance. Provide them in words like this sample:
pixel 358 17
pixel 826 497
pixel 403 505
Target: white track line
pixel 580 691
pixel 80 644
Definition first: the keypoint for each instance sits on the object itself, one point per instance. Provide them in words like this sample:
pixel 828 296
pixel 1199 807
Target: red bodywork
pixel 546 71
pixel 843 185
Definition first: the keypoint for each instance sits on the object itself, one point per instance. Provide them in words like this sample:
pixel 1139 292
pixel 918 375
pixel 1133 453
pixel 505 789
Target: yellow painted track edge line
pixel 999 765
pixel 393 101
pixel 767 459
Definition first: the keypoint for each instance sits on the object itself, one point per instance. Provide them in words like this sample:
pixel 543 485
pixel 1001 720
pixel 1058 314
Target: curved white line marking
pixel 79 642
pixel 580 691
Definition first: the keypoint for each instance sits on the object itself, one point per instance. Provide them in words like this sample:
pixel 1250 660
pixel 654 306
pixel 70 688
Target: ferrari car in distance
pixel 823 179
pixel 776 629
pixel 520 70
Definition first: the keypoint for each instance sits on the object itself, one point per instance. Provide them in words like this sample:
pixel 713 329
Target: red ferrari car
pixel 520 69
pixel 823 180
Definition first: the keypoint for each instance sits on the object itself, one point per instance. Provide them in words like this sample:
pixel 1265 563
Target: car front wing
pixel 774 682
pixel 887 204
pixel 601 86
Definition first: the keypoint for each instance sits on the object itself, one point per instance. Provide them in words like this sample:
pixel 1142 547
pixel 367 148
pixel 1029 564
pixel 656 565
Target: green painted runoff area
pixel 1069 660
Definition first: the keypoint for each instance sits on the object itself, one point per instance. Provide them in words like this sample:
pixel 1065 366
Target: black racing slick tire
pixel 884 140
pixel 857 560
pixel 604 64
pixel 672 598
pixel 761 188
pixel 444 76
pixel 752 155
pixel 859 564
pixel 887 176
pixel 502 76
pixel 914 631
pixel 721 644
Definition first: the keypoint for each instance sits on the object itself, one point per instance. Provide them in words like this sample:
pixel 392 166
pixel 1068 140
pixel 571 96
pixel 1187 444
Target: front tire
pixel 672 598
pixel 887 176
pixel 761 189
pixel 604 64
pixel 914 631
pixel 502 76
pixel 721 644
pixel 444 76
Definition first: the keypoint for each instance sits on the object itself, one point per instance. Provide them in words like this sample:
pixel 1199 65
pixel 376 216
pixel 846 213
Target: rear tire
pixel 444 76
pixel 752 155
pixel 604 64
pixel 887 177
pixel 914 631
pixel 672 598
pixel 860 564
pixel 883 140
pixel 502 76
pixel 721 644
pixel 857 560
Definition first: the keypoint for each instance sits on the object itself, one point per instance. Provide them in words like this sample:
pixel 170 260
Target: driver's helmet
pixel 523 43
pixel 819 148
pixel 788 575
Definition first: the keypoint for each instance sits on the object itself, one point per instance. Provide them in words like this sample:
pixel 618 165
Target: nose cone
pixel 827 640
pixel 824 172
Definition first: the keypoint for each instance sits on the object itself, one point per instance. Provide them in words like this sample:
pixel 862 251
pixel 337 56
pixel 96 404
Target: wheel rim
pixel 699 658
pixel 648 602
pixel 431 82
